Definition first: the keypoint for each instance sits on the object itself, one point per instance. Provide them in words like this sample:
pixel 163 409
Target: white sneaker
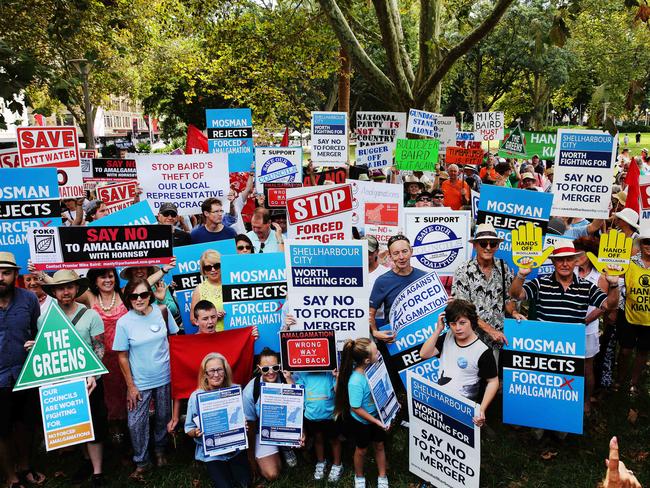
pixel 319 472
pixel 404 424
pixel 359 482
pixel 290 457
pixel 382 482
pixel 335 473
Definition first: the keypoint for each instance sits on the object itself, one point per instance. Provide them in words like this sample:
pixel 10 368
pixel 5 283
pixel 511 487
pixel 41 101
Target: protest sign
pixel 584 172
pixel 85 153
pixel 328 287
pixel 28 198
pixel 186 179
pixel 445 444
pixel 419 299
pixel 254 288
pixel 9 158
pixel 514 142
pixel 382 390
pixel 364 192
pixel 117 196
pixel 230 131
pixel 53 248
pixel 462 155
pixel 644 206
pixel 335 175
pixel 528 250
pixel 277 165
pixel 102 169
pixel 65 408
pixel 417 154
pixel 275 194
pixel 322 214
pixel 187 274
pixel 432 125
pixel 329 138
pixel 614 253
pixel 137 214
pixel 508 208
pixel 308 350
pixel 489 126
pixel 53 147
pixel 221 418
pixel 281 412
pixel 59 353
pixel 541 144
pixel 379 128
pixel 468 140
pixel 381 221
pixel 375 157
pixel 543 375
pixel 476 196
pixel 439 238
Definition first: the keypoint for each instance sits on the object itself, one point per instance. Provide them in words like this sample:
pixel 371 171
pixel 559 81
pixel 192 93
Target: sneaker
pixel 359 482
pixel 319 472
pixel 382 482
pixel 83 473
pixel 405 424
pixel 290 458
pixel 335 473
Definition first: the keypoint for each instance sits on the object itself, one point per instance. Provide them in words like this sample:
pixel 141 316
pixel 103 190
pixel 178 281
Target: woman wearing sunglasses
pixel 210 288
pixel 244 244
pixel 143 353
pixel 263 459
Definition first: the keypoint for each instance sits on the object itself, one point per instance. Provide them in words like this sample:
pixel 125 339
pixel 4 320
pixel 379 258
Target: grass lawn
pixel 510 458
pixel 635 148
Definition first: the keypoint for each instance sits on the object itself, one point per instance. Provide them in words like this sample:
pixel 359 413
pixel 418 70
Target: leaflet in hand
pixel 281 412
pixel 221 416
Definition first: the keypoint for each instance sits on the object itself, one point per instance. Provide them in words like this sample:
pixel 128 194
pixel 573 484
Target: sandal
pixel 138 474
pixel 37 478
pixel 634 391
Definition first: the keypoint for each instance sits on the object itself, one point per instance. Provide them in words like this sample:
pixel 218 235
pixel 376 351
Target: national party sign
pixel 439 238
pixel 329 138
pixel 254 291
pixel 230 131
pixel 444 442
pixel 187 180
pixel 28 198
pixel 543 375
pixel 328 287
pixel 277 165
pixel 67 420
pixel 380 128
pixel 53 147
pixel 584 171
pixel 59 353
pixel 489 125
pixel 320 213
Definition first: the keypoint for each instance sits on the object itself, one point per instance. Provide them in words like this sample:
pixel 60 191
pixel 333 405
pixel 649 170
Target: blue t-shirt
pixel 319 394
pixel 360 395
pixel 388 286
pixel 252 407
pixel 145 338
pixel 200 234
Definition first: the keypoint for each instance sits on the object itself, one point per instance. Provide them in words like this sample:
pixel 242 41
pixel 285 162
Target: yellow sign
pixel 613 253
pixel 528 246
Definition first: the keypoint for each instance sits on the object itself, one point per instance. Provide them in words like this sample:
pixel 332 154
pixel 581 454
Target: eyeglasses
pixel 267 369
pixel 485 244
pixel 210 267
pixel 645 242
pixel 169 213
pixel 215 371
pixel 135 296
pixel 244 248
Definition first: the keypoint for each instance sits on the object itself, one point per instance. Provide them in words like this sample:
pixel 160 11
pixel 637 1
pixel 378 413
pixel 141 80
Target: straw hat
pixel 64 277
pixel 485 232
pixel 528 176
pixel 565 248
pixel 8 260
pixel 629 216
pixel 124 271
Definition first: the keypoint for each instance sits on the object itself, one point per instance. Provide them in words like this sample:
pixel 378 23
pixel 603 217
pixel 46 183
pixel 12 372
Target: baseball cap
pixel 167 206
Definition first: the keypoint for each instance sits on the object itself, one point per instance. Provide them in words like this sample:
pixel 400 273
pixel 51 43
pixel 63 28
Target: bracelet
pixel 164 270
pixel 613 286
pixel 522 278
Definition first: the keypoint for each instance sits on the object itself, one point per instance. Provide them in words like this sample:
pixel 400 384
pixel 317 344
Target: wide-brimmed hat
pixel 485 232
pixel 556 226
pixel 373 245
pixel 629 216
pixel 412 179
pixel 364 177
pixel 528 176
pixel 564 248
pixel 621 196
pixel 8 260
pixel 64 277
pixel 125 271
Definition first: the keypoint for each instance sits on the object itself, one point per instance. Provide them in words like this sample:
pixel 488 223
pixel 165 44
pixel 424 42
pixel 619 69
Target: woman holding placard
pixel 225 470
pixel 210 288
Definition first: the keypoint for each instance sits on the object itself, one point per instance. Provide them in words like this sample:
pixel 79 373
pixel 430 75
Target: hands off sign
pixel 308 350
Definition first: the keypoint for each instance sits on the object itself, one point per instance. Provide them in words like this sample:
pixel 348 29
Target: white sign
pixel 382 391
pixel 277 165
pixel 322 213
pixel 644 186
pixel 221 418
pixel 419 299
pixel 489 126
pixel 371 192
pixel 433 125
pixel 186 180
pixel 281 412
pixel 375 157
pixel 379 128
pixel 329 138
pixel 444 443
pixel 439 237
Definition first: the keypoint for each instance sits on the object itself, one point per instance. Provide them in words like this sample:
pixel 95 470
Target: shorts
pixel 18 406
pixel 592 345
pixel 99 412
pixel 364 434
pixel 262 450
pixel 329 428
pixel 631 336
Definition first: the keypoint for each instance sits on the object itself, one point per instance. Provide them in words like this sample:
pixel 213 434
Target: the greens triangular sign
pixel 515 142
pixel 58 354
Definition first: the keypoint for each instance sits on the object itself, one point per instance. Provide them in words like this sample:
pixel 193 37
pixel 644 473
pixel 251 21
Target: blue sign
pixel 508 208
pixel 187 274
pixel 231 131
pixel 137 214
pixel 254 292
pixel 543 375
pixel 29 197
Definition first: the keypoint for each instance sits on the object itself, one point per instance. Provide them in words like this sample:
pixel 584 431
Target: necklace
pixel 101 304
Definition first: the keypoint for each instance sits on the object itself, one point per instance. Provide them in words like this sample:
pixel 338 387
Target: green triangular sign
pixel 58 354
pixel 515 142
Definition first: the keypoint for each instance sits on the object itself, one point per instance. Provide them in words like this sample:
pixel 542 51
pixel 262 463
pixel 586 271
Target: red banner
pixel 197 142
pixel 462 155
pixel 187 352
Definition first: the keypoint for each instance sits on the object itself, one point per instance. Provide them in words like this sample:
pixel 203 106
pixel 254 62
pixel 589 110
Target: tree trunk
pixel 345 73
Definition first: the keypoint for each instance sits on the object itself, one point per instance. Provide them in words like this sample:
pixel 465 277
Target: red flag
pixel 39 119
pixel 285 138
pixel 187 352
pixel 633 191
pixel 197 142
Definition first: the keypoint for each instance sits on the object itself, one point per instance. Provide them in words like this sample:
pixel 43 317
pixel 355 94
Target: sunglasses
pixel 485 244
pixel 169 213
pixel 210 267
pixel 645 242
pixel 141 296
pixel 424 199
pixel 438 197
pixel 267 369
pixel 246 247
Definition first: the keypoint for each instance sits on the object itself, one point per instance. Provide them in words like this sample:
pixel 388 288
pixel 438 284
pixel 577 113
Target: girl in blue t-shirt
pixel 354 402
